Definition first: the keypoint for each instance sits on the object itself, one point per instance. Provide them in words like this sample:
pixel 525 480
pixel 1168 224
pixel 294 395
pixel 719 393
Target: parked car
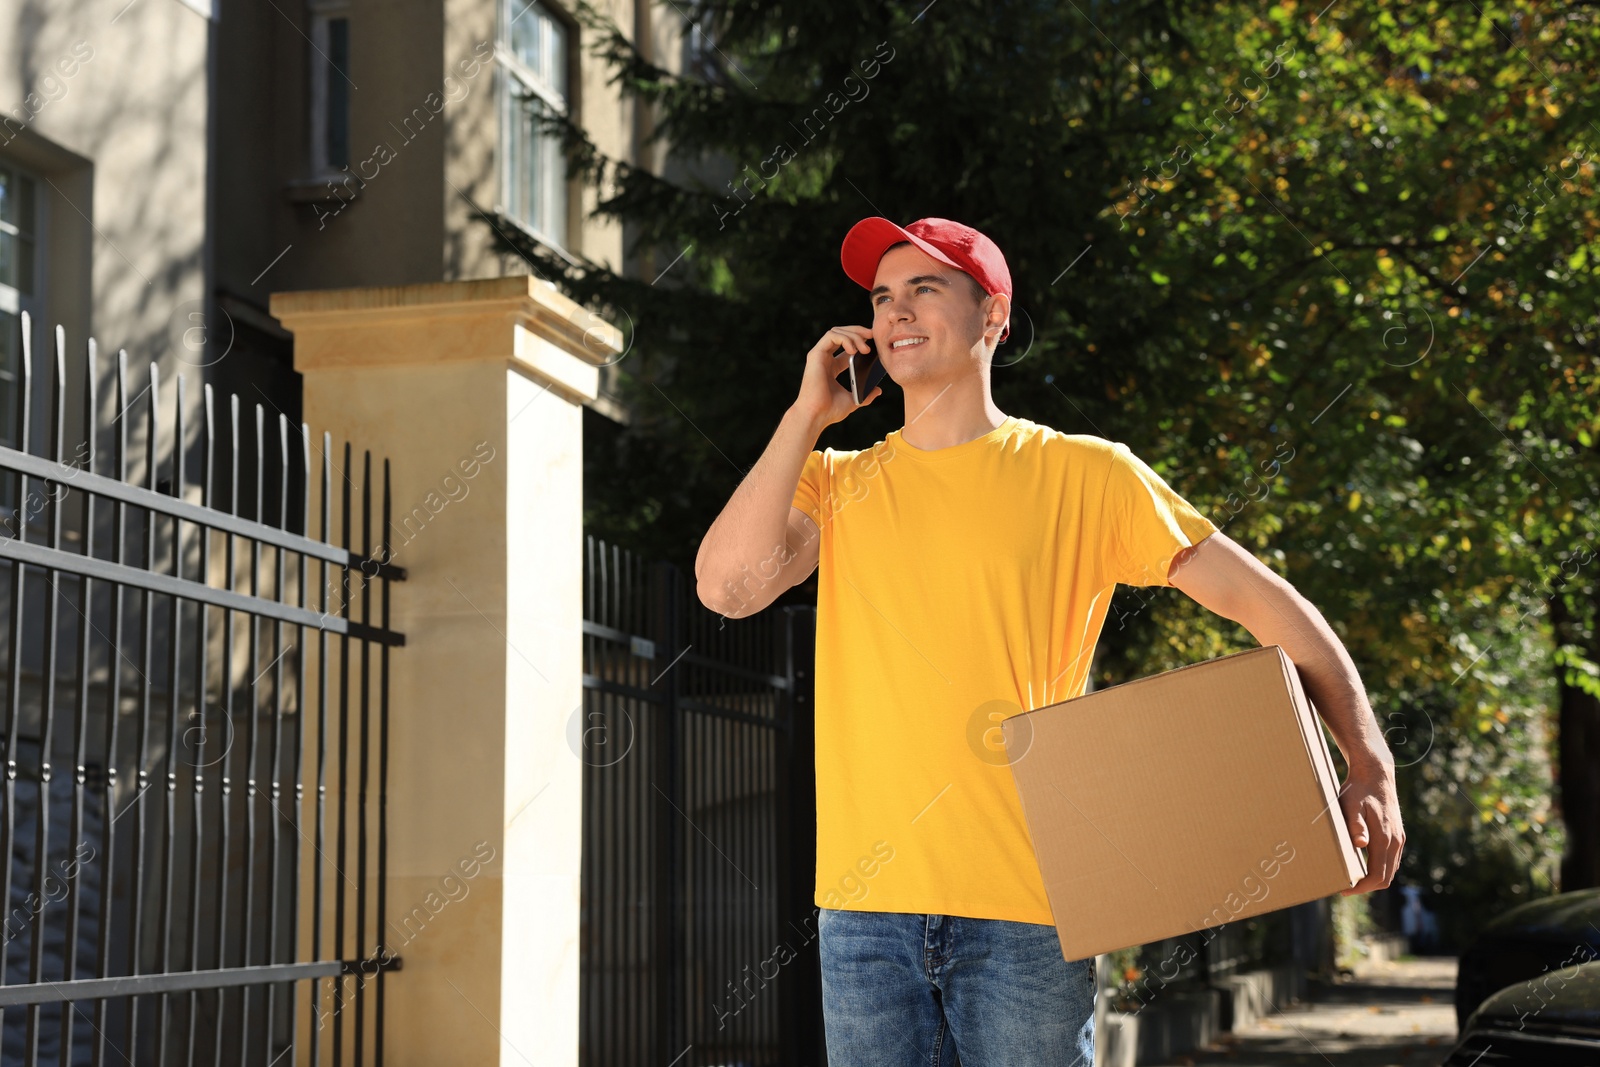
pixel 1549 1021
pixel 1542 935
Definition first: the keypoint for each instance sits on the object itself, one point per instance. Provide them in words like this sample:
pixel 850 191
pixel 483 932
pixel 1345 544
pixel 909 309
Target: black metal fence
pixel 192 844
pixel 699 841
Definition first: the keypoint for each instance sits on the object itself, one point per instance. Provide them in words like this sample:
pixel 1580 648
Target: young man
pixel 967 563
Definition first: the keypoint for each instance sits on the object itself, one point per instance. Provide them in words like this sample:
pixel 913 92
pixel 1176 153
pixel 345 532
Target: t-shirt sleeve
pixel 808 494
pixel 1145 523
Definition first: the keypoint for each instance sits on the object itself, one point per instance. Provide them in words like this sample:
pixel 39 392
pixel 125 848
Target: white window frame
pixel 15 301
pixel 321 74
pixel 514 80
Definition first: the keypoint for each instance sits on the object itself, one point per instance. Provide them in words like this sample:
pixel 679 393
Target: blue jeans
pixel 904 990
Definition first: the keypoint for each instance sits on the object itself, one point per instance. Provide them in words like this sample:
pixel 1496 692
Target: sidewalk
pixel 1393 1014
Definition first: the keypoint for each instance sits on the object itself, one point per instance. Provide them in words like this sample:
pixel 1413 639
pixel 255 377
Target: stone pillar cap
pixel 528 301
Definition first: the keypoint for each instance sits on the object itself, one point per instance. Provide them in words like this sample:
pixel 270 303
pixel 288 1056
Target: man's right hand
pixel 760 524
pixel 822 399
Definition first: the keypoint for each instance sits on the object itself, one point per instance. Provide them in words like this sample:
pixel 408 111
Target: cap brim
pixel 869 239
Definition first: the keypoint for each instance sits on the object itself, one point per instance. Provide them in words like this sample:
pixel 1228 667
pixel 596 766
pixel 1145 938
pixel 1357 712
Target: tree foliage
pixel 1359 236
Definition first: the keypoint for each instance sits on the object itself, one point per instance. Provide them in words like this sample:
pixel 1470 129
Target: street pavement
pixel 1393 1014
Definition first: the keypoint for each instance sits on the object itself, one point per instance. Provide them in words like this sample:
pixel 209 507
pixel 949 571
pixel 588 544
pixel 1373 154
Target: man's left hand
pixel 1371 808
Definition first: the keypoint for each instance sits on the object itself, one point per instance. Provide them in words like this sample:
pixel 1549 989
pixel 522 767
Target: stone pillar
pixel 473 391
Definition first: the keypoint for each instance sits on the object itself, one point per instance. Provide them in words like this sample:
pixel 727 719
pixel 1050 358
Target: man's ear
pixel 999 312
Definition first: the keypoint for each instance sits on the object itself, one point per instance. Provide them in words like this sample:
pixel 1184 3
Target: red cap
pixel 951 243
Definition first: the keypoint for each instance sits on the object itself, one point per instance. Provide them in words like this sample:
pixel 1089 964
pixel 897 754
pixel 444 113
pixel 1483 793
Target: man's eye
pixel 884 296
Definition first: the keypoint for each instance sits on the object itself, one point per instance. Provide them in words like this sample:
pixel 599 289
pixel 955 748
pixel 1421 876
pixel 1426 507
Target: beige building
pixel 168 165
pixel 165 165
pixel 103 176
pixel 355 139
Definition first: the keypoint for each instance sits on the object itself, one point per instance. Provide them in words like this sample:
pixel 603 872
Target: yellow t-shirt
pixel 957 587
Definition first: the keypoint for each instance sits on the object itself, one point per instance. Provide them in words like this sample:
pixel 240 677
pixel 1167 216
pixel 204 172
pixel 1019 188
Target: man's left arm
pixel 1221 575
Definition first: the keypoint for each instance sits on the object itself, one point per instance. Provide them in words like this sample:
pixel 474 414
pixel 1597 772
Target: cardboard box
pixel 1182 801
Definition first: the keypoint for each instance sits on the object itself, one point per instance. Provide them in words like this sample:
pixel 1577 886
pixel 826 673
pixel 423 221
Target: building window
pixel 330 88
pixel 532 55
pixel 19 287
pixel 700 50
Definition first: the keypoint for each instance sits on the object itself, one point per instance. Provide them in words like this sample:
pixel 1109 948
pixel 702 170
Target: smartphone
pixel 866 371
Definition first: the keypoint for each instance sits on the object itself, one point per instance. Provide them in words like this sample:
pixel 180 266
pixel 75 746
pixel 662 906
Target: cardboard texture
pixel 1182 801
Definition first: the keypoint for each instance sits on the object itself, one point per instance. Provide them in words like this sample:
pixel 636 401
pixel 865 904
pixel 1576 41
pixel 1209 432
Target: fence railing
pixel 192 843
pixel 699 835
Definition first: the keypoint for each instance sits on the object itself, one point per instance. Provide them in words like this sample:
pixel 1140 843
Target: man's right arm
pixel 762 544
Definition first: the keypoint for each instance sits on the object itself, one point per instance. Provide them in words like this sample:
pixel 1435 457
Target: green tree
pixel 1417 217
pixel 1359 237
